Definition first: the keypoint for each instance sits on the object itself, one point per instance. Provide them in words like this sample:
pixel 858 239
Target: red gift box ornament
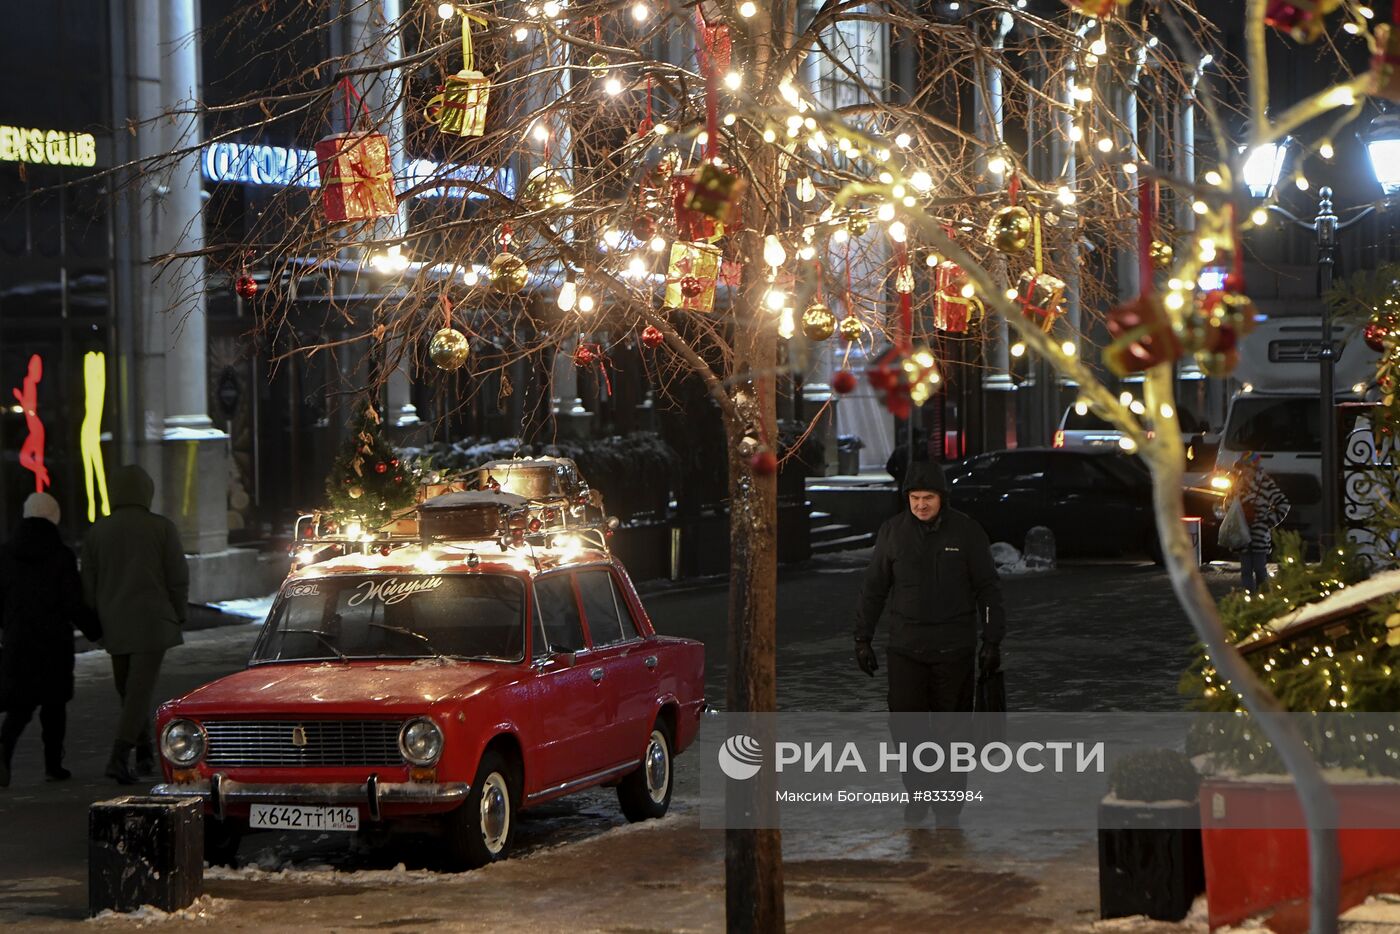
pixel 691 276
pixel 707 201
pixel 1385 62
pixel 1303 20
pixel 460 107
pixel 357 176
pixel 1142 336
pixel 953 306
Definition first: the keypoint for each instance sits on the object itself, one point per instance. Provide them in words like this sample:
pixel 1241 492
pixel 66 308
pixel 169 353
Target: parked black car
pixel 1097 502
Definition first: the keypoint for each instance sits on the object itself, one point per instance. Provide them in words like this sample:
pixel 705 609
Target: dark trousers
pixel 942 685
pixel 136 675
pixel 53 726
pixel 1254 570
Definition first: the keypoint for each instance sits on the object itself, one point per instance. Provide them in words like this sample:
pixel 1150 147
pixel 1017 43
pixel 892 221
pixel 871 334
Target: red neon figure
pixel 31 455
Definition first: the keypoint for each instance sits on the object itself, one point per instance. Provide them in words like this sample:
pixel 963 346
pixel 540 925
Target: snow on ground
pixel 253 608
pixel 201 909
pixel 272 866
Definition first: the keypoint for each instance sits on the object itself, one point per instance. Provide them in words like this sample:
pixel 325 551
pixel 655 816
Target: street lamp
pixel 1382 139
pixel 1383 143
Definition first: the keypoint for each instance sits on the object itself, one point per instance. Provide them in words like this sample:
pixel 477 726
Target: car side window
pixel 1077 473
pixel 607 621
pixel 554 595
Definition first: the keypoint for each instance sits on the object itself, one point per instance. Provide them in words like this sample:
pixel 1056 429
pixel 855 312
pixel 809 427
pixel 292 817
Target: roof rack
pixel 525 501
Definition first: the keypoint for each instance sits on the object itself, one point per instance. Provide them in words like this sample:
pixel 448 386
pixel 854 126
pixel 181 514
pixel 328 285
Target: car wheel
pixel 482 830
pixel 645 794
pixel 221 841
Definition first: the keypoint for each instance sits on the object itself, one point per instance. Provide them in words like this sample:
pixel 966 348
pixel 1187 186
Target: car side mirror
pixel 563 653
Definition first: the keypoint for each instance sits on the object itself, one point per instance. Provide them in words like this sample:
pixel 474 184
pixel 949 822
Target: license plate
pixel 296 817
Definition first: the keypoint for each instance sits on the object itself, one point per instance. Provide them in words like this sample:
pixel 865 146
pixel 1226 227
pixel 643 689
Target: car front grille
pixel 307 743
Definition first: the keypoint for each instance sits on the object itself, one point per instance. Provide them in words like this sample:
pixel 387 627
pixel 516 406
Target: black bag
pixel 989 706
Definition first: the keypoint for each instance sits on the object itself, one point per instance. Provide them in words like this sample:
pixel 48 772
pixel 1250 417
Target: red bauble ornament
pixel 843 382
pixel 899 406
pixel 246 286
pixel 1375 335
pixel 585 356
pixel 393 462
pixel 644 227
pixel 381 467
pixel 691 287
pixel 764 463
pixel 652 337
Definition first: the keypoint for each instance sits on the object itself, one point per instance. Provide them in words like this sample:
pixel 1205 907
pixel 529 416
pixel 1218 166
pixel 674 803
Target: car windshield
pixel 396 616
pixel 1274 424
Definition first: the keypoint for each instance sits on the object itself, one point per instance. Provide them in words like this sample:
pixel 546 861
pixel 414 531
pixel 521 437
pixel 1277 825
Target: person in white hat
pixel 41 601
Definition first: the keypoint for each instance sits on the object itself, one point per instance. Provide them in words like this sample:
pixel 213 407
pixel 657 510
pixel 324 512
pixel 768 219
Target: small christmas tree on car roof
pixel 369 482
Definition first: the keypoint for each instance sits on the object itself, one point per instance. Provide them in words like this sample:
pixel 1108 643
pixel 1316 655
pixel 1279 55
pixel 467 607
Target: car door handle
pixel 596 674
pixel 651 661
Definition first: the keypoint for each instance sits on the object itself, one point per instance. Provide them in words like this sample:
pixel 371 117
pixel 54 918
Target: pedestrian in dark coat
pixel 136 577
pixel 40 604
pixel 933 576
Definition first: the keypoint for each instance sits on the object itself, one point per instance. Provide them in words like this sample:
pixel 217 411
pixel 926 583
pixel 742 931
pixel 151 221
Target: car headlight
pixel 1220 481
pixel 420 741
pixel 182 742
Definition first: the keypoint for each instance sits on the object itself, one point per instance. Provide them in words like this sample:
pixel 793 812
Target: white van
pixel 1278 411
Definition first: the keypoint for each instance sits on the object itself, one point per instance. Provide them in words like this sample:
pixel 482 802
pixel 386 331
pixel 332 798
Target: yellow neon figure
pixel 90 435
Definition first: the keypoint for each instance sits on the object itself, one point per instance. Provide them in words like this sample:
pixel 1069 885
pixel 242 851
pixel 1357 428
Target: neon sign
pixel 90 435
pixel 31 453
pixel 47 147
pixel 255 164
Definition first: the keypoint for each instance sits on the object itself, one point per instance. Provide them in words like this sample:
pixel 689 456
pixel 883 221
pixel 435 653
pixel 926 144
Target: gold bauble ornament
pixel 356 492
pixel 851 328
pixel 1010 229
pixel 857 225
pixel 818 323
pixel 598 60
pixel 545 188
pixel 1162 254
pixel 449 349
pixel 508 273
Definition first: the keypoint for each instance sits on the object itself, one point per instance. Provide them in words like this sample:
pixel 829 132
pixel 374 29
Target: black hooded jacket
pixel 41 601
pixel 937 579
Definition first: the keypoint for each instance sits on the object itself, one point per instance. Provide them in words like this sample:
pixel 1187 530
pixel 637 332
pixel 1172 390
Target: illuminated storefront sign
pixel 90 435
pixel 31 452
pixel 47 147
pixel 248 164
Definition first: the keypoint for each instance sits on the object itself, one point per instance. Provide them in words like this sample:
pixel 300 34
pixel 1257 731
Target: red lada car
pixel 435 681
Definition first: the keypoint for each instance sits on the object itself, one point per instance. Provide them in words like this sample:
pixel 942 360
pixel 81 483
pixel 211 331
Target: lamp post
pixel 1263 168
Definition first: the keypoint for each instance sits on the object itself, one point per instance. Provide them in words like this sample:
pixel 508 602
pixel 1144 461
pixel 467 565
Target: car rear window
pixel 1086 422
pixel 396 616
pixel 1273 424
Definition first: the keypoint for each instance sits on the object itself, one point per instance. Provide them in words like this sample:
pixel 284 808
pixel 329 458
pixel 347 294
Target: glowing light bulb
pixel 734 81
pixel 446 10
pixel 1137 408
pixel 1083 93
pixel 612 237
pixel 769 136
pixel 932 260
pixel 636 268
pixel 898 232
pixel 1127 444
pixel 1105 144
pixel 1174 301
pixel 471 277
pixel 521 34
pixel 568 295
pixel 1326 151
pixel 661 129
pixel 540 132
pixel 1259 216
pixel 807 252
pixel 1081 408
pixel 885 212
pixel 1066 196
pixel 1076 134
pixel 774 299
pixel 1130 168
pixel 921 181
pixel 1068 348
pixel 969 290
pixel 657 244
pixel 787 327
pixel 1099 46
pixel 1302 182
pixel 1199 207
pixel 1018 350
pixel 640 12
pixel 1125 398
pixel 773 253
pixel 612 86
pixel 903 140
pixel 996 165
pixel 586 303
pixel 747 9
pixel 1213 178
pixel 730 119
pixel 839 235
pixel 1166 410
pixel 550 8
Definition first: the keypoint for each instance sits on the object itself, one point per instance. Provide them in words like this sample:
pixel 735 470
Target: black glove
pixel 989 658
pixel 865 658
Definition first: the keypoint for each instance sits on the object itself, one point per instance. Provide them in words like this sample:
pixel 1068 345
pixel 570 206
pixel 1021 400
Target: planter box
pixel 1257 870
pixel 1149 860
pixel 145 851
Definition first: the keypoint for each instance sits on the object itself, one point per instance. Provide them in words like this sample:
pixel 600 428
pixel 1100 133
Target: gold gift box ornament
pixel 1385 63
pixel 1042 297
pixel 460 106
pixel 691 276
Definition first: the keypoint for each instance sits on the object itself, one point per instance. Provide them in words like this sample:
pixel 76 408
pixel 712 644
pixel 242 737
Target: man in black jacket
pixel 932 573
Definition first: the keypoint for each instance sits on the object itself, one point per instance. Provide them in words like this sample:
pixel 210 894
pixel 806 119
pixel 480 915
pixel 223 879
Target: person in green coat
pixel 135 575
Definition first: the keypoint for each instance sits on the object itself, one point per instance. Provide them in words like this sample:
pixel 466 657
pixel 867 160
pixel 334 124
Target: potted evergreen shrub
pixel 1150 860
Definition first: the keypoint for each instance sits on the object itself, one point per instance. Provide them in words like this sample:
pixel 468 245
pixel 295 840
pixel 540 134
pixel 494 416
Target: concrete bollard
pixel 145 851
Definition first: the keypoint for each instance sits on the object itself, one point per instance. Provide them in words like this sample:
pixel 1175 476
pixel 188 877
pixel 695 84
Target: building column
pixel 180 448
